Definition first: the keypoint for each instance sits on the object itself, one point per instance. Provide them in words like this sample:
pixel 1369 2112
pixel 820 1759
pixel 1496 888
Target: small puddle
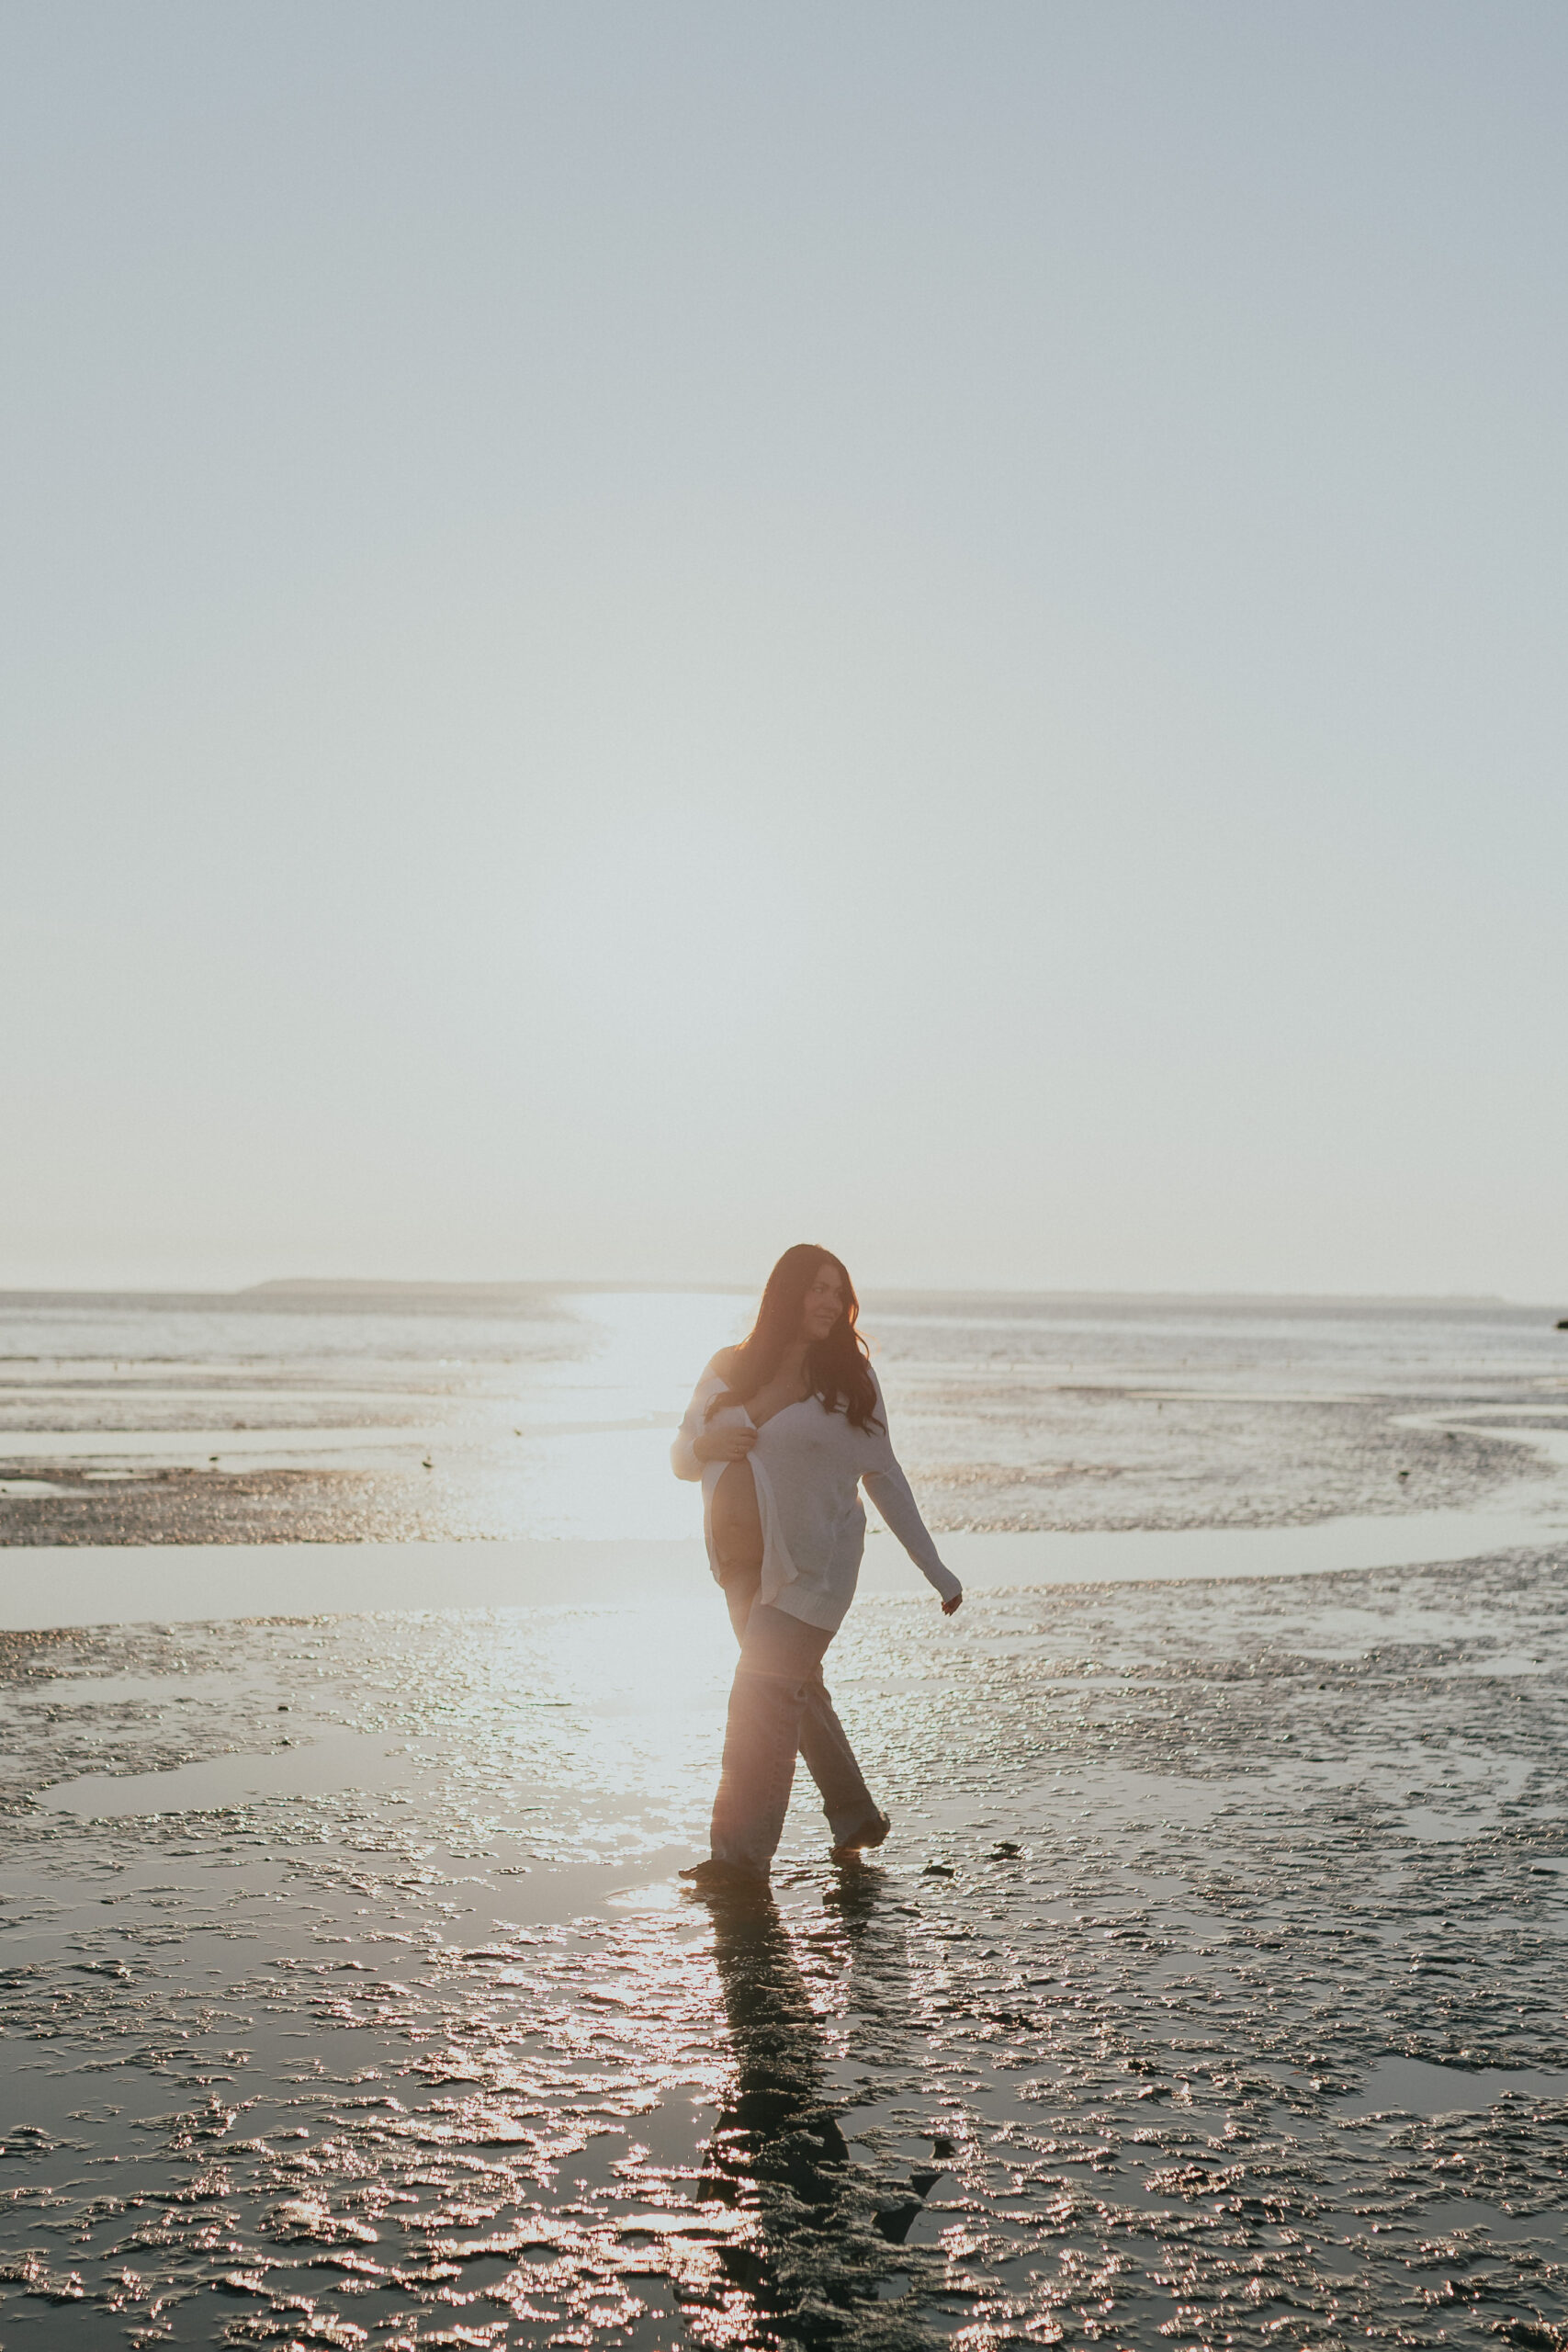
pixel 364 1761
pixel 1416 2087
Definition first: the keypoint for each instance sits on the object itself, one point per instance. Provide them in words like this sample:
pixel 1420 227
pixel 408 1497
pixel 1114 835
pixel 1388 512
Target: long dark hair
pixel 837 1367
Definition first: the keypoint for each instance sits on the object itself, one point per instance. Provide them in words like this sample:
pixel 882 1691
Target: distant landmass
pixel 312 1285
pixel 347 1288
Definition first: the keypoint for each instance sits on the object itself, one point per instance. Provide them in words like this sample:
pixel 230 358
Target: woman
pixel 782 1431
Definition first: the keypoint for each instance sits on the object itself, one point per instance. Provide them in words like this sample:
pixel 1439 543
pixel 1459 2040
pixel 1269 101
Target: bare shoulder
pixel 724 1363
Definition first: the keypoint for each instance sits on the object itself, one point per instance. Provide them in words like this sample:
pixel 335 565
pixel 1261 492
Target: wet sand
pixel 1212 1988
pixel 1210 1991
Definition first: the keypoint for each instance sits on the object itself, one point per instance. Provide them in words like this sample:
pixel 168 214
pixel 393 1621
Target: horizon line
pixel 309 1285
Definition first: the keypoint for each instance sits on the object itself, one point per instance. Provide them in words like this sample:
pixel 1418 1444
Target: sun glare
pixel 597 1426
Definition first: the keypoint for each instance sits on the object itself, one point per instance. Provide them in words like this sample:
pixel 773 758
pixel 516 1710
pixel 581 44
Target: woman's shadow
pixel 826 2226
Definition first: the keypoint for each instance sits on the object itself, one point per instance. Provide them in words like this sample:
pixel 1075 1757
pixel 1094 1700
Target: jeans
pixel 779 1705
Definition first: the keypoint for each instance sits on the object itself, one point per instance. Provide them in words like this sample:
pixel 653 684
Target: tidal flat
pixel 1211 1989
pixel 296 1414
pixel 362 1691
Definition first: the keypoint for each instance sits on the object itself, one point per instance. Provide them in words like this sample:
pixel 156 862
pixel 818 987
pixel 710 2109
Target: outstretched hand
pixel 949 1606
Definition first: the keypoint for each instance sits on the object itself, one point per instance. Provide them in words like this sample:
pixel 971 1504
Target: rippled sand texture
pixel 1213 1990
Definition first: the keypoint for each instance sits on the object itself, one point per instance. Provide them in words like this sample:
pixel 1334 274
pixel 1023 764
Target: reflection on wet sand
pixel 778 2149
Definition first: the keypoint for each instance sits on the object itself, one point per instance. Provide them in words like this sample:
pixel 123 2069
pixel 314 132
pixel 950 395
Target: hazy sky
pixel 638 632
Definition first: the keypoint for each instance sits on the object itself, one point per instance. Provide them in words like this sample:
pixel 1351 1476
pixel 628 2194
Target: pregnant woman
pixel 783 1430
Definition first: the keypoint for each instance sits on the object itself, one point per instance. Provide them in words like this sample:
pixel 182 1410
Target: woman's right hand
pixel 733 1443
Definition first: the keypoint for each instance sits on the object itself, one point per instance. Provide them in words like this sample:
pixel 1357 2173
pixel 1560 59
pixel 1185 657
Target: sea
pixel 328 1411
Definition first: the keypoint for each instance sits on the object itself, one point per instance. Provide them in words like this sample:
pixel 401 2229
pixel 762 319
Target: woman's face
pixel 824 1302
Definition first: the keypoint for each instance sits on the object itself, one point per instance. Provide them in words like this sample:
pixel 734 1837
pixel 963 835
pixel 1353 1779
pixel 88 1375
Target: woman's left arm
pixel 890 1491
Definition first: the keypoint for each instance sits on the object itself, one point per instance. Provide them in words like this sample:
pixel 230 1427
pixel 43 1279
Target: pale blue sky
pixel 635 631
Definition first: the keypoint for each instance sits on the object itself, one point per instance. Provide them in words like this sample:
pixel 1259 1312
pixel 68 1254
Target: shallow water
pixel 81 1584
pixel 84 1585
pixel 530 1414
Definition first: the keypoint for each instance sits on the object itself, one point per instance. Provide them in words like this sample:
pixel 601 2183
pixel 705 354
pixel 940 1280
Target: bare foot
pixel 725 1878
pixel 872 1835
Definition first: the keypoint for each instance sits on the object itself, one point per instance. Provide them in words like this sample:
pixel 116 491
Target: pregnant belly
pixel 737 1522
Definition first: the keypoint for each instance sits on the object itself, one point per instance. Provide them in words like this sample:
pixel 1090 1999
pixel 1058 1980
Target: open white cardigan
pixel 808 1464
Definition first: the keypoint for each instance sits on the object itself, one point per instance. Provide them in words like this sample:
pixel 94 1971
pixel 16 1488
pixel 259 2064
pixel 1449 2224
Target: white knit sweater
pixel 808 1464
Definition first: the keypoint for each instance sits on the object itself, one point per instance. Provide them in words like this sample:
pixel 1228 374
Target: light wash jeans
pixel 779 1705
